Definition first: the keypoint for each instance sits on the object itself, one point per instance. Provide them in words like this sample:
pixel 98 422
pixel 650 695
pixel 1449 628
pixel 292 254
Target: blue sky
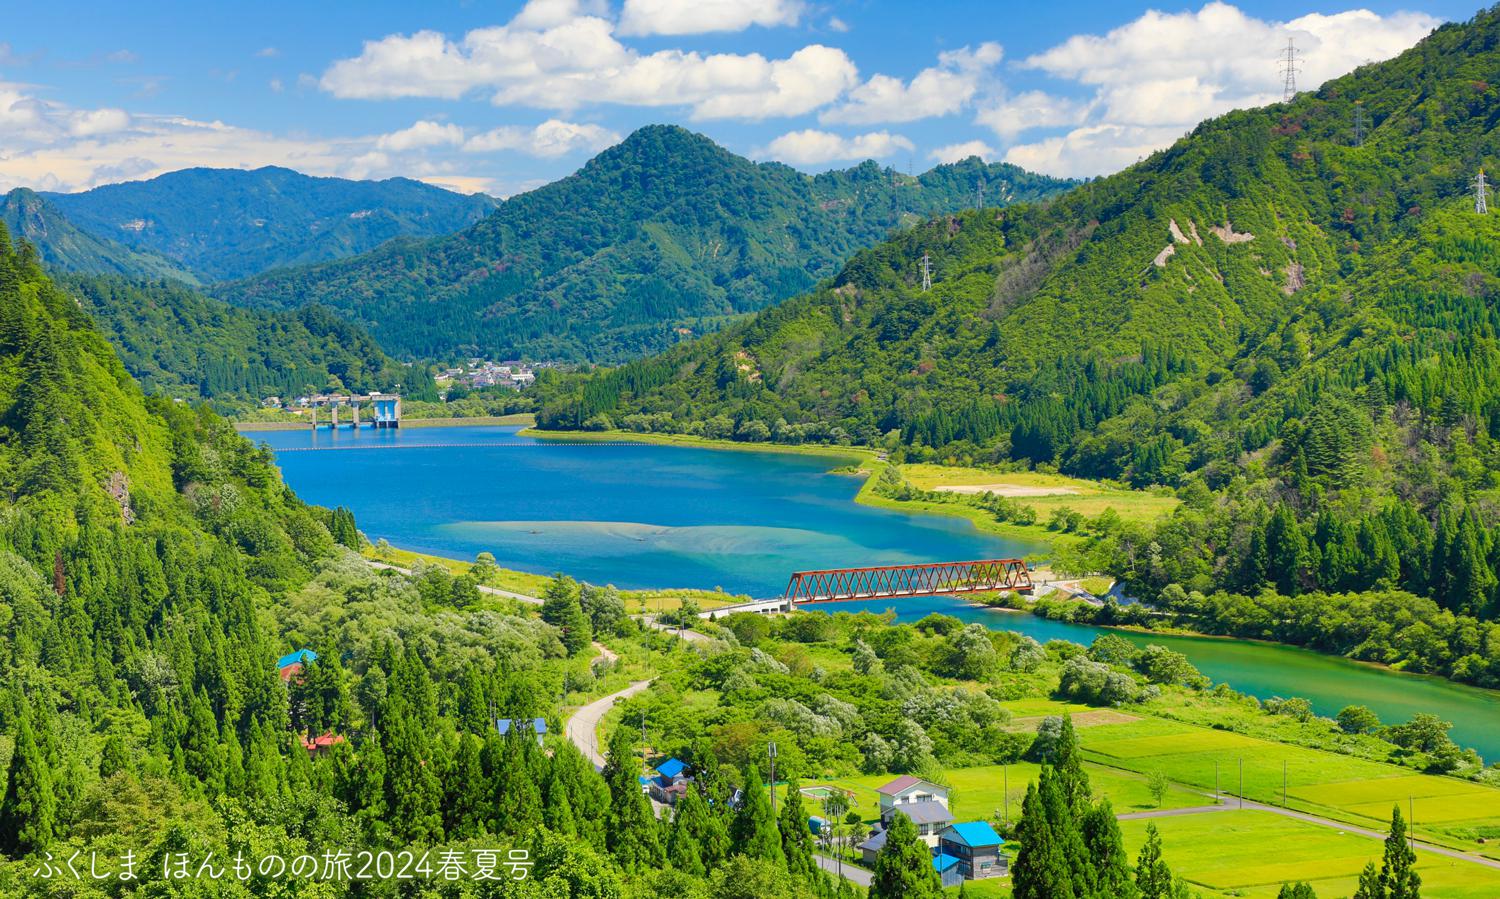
pixel 504 96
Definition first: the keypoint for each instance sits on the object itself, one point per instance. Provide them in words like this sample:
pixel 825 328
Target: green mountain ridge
pixel 663 236
pixel 222 224
pixel 177 342
pixel 63 246
pixel 1297 334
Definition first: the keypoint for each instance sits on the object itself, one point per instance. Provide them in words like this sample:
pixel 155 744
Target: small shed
pixel 869 849
pixel 949 869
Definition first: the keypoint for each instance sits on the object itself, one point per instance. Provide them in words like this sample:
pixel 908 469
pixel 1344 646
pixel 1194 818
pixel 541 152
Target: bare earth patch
pixel 1094 718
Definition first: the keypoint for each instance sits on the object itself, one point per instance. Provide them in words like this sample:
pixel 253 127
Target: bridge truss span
pixel 895 581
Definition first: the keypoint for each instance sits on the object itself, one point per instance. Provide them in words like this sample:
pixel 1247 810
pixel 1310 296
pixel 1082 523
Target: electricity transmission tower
pixel 1359 126
pixel 927 271
pixel 981 195
pixel 1481 194
pixel 1289 69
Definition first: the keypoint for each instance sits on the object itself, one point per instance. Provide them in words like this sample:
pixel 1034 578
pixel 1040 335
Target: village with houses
pixel 961 850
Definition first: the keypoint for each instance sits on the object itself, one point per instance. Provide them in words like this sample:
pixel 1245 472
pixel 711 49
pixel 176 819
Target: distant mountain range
pixel 221 224
pixel 64 247
pixel 658 239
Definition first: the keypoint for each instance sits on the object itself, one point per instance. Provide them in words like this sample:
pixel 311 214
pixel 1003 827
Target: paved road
pixel 583 728
pixel 493 591
pixel 855 875
pixel 688 635
pixel 1172 812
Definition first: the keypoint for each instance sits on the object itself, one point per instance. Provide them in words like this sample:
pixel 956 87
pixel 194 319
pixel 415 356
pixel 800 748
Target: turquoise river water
pixel 644 515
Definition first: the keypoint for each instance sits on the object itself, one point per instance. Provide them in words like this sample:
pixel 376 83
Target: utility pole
pixel 1411 820
pixel 1005 772
pixel 1242 782
pixel 771 751
pixel 1481 194
pixel 1283 783
pixel 1217 798
pixel 926 273
pixel 1289 70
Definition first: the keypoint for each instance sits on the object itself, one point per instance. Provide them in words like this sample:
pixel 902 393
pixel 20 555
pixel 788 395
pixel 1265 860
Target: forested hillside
pixel 221 224
pixel 659 238
pixel 63 246
pixel 1289 321
pixel 155 571
pixel 180 343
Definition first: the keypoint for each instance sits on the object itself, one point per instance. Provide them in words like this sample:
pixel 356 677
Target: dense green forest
pixel 661 237
pixel 1294 328
pixel 153 568
pixel 221 224
pixel 65 247
pixel 182 344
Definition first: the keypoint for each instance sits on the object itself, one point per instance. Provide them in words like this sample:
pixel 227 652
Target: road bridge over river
pixel 892 582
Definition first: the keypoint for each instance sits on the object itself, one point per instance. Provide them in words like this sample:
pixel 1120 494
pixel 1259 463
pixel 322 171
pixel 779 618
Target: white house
pixel 926 804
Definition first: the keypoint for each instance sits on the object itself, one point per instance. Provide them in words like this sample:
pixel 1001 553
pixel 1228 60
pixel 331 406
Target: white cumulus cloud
pixel 421 135
pixel 940 90
pixel 558 59
pixel 551 138
pixel 813 147
pixel 1156 77
pixel 673 17
pixel 960 151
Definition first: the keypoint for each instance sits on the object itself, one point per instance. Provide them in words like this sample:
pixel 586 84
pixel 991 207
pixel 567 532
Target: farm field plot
pixel 1322 783
pixel 1433 800
pixel 1044 492
pixel 1251 853
pixel 979 793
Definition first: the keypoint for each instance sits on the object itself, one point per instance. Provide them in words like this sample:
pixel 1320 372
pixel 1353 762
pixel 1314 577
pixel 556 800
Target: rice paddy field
pixel 1251 853
pixel 1221 849
pixel 1444 810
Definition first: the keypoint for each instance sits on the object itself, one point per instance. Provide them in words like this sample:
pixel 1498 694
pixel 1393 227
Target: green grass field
pixel 1087 497
pixel 1251 853
pixel 980 793
pixel 1361 792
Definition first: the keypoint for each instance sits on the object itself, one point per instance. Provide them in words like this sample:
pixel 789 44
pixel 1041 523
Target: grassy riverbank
pixel 637 602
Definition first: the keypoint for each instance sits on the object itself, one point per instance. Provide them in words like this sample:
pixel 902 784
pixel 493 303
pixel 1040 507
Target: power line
pixel 1289 69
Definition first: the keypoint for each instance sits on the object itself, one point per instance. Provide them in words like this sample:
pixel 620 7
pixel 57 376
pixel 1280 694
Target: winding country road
pixel 582 729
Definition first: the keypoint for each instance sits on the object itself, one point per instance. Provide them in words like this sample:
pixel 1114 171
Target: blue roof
pixel 973 834
pixel 645 781
pixel 943 861
pixel 292 658
pixel 538 725
pixel 671 768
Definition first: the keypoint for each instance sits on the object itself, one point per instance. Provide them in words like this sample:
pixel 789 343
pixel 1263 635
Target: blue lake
pixel 632 515
pixel 644 515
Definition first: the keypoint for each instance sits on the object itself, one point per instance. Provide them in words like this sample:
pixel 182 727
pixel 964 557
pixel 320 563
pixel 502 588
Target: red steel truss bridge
pixel 895 581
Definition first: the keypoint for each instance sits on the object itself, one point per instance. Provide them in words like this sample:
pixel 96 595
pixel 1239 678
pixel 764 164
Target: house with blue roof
pixel 290 665
pixel 976 847
pixel 670 783
pixel 538 726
